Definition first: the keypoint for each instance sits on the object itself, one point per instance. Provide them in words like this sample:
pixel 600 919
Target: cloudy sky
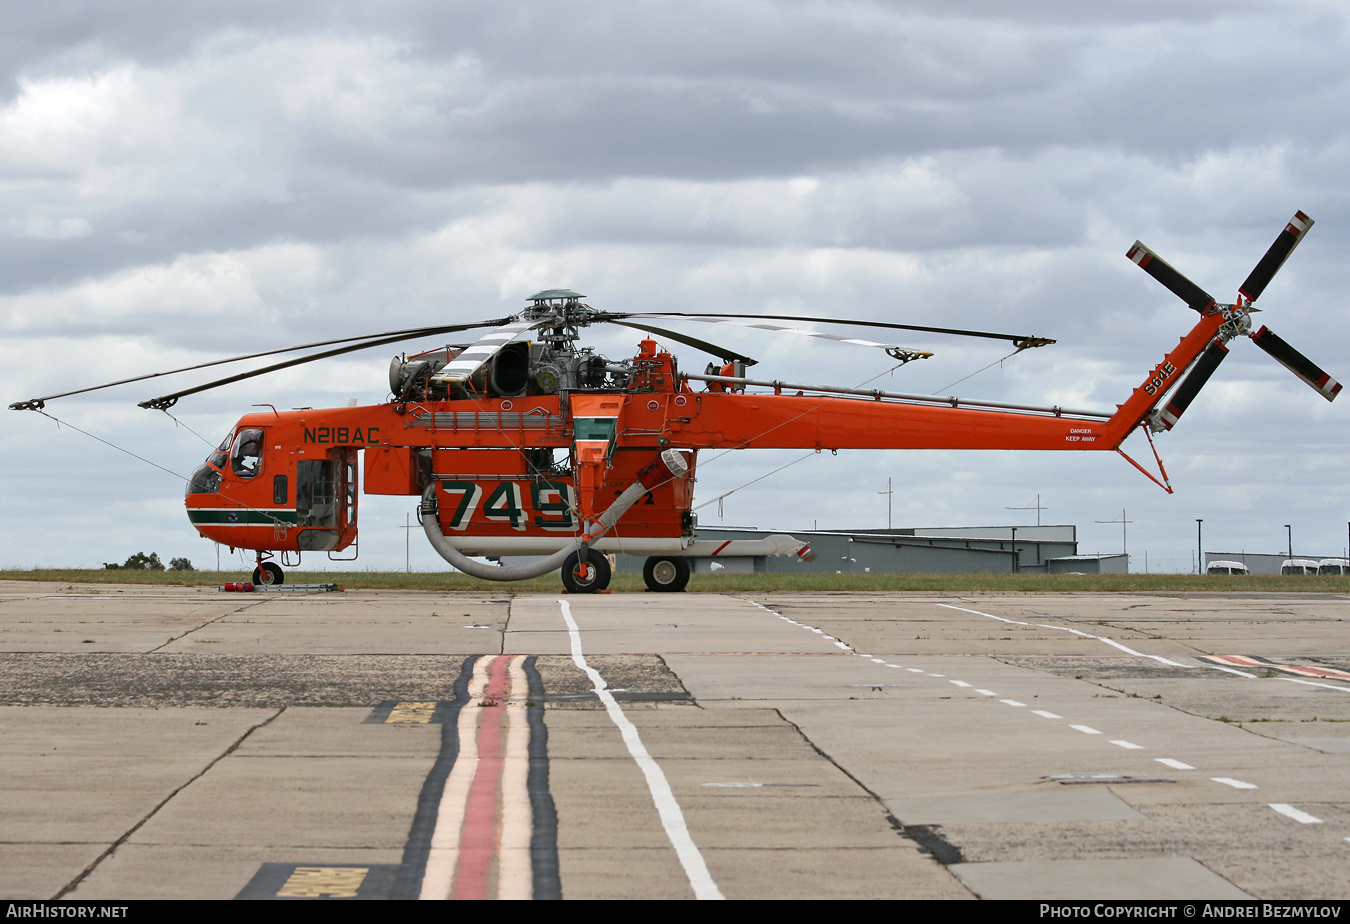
pixel 187 180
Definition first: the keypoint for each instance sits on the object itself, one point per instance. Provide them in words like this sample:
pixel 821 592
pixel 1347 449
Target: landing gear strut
pixel 666 575
pixel 585 577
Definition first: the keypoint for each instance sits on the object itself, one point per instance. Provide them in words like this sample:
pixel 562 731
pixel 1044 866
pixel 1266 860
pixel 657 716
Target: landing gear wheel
pixel 268 573
pixel 666 575
pixel 588 577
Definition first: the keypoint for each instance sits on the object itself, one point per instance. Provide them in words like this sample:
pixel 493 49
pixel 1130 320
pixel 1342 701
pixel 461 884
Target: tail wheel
pixel 588 576
pixel 268 573
pixel 666 575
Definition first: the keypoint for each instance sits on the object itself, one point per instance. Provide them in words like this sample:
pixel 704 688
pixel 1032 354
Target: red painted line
pixel 478 839
pixel 721 547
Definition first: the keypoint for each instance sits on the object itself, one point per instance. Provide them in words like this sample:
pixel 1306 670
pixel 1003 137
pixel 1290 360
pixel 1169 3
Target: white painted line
pixel 1313 683
pixel 1290 812
pixel 1012 702
pixel 443 856
pixel 1085 729
pixel 1127 745
pixel 1236 784
pixel 1174 764
pixel 515 868
pixel 672 819
pixel 876 660
pixel 1114 644
pixel 842 645
pixel 1231 670
pixel 986 692
pixel 959 683
pixel 978 613
pixel 914 670
pixel 1046 715
pixel 937 675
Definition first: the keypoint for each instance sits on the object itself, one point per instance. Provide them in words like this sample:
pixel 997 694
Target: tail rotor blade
pixel 1197 298
pixel 1297 363
pixel 1191 385
pixel 1279 251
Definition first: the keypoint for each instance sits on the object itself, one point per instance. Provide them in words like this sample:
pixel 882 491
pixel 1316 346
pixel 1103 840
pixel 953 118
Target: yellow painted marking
pixel 411 713
pixel 323 882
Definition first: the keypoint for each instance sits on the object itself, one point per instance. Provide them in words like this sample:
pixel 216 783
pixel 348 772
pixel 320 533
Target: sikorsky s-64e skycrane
pixel 525 443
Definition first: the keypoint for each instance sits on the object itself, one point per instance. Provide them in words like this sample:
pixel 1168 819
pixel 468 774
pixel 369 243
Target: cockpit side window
pixel 246 457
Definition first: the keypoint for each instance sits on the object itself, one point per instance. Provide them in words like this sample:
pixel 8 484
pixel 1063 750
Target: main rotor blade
pixel 1190 386
pixel 167 401
pixel 1190 293
pixel 1279 251
pixel 711 349
pixel 462 367
pixel 35 403
pixel 892 350
pixel 1297 363
pixel 1022 341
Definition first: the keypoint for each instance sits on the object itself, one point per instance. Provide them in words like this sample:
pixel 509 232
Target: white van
pixel 1226 567
pixel 1333 566
pixel 1298 566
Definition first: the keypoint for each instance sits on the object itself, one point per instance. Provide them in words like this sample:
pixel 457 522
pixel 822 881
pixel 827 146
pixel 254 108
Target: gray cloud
pixel 184 179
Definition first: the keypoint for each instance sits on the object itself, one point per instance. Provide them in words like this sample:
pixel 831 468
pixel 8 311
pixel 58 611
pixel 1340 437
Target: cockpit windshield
pixel 219 457
pixel 246 457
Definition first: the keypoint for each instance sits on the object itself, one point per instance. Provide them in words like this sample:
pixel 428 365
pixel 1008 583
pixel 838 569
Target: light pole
pixel 1290 530
pixel 1199 547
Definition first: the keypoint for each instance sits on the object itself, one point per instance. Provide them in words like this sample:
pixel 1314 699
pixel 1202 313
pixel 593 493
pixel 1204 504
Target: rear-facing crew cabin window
pixel 246 456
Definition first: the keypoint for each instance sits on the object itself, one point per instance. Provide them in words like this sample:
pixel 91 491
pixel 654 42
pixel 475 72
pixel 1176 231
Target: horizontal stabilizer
pixel 1190 293
pixel 1297 363
pixel 1279 251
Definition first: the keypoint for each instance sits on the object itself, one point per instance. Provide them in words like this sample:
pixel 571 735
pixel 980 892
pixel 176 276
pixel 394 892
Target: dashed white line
pixel 1127 745
pixel 1236 784
pixel 1174 764
pixel 1085 729
pixel 986 692
pixel 1012 702
pixel 1290 812
pixel 959 683
pixel 1045 714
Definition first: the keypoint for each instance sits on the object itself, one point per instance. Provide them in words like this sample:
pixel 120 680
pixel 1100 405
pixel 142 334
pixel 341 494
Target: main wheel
pixel 666 575
pixel 585 577
pixel 268 573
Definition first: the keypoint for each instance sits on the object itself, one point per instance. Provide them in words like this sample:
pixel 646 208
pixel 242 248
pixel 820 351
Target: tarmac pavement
pixel 184 743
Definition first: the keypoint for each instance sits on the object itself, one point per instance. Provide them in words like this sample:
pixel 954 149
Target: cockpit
pixel 241 451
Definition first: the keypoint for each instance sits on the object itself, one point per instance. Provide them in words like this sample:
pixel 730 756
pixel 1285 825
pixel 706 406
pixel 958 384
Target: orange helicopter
pixel 525 444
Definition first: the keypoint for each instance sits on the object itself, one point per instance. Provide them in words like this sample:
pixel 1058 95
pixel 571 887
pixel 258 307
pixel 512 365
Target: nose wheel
pixel 666 575
pixel 587 576
pixel 268 573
